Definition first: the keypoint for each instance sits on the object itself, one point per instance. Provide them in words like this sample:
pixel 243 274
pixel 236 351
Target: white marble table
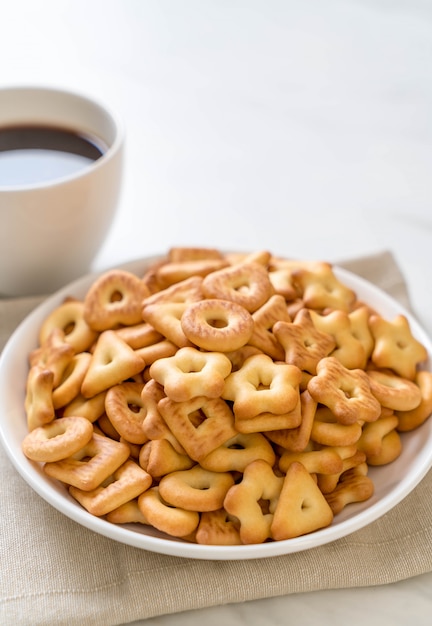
pixel 300 127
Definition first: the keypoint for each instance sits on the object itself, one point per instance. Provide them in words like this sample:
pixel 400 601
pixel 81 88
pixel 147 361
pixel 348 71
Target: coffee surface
pixel 38 154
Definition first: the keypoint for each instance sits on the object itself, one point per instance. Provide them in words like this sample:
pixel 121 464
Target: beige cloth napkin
pixel 53 571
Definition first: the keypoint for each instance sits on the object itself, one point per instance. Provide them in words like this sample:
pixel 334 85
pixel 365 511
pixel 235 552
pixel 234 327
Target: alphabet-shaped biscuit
pixel 172 520
pixel 345 392
pixel 165 317
pixel 180 254
pixel 139 335
pixel 127 483
pixel 57 440
pixel 190 373
pixel 113 361
pixel 328 431
pixel 176 271
pixel 196 489
pixel 303 343
pixel 321 289
pixel 219 325
pixel 217 528
pixel 349 349
pixel 323 461
pixel 69 318
pixel 38 402
pixel 246 284
pixel 236 453
pixel 127 513
pixel 262 385
pixel 380 441
pixel 353 487
pixel 115 298
pixel 263 336
pixel 408 420
pixel 200 425
pixel 351 459
pixel 54 354
pixel 159 457
pixel 73 376
pixel 281 279
pixel 90 408
pixel 296 439
pixel 154 425
pixel 126 411
pixel 359 321
pixel 158 350
pixel 259 486
pixel 91 465
pixel 187 290
pixel 301 508
pixel 394 392
pixel 395 346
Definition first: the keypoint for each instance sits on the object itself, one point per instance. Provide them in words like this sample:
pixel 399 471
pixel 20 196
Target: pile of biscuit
pixel 222 398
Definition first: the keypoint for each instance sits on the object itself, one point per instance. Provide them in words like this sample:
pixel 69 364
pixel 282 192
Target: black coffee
pixel 38 154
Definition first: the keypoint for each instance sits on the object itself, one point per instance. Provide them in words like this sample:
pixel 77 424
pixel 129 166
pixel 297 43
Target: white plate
pixel 392 483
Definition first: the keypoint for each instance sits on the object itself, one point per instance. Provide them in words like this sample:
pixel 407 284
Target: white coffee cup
pixel 51 231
